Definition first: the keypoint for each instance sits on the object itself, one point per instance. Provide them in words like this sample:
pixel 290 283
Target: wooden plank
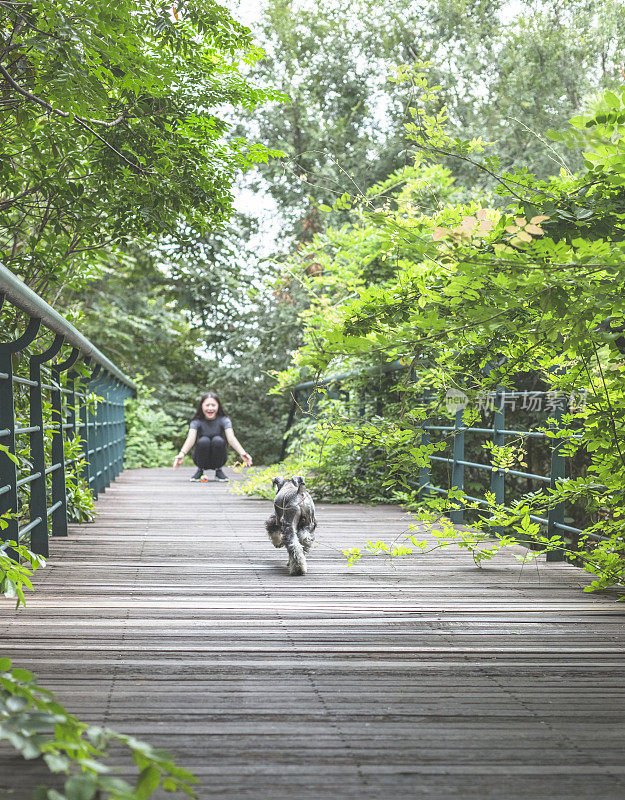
pixel 172 617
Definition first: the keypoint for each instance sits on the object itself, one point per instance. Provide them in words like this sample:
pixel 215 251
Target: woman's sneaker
pixel 220 475
pixel 197 477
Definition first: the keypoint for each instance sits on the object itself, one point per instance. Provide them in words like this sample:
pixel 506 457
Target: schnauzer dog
pixel 293 523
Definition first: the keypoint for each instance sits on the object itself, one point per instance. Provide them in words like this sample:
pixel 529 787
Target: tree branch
pixel 33 98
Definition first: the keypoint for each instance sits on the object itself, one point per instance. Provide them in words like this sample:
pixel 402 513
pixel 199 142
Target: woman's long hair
pixel 199 414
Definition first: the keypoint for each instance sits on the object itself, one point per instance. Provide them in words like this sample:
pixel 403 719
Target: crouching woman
pixel 210 431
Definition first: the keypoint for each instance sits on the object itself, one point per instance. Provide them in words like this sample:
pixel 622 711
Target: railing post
pixel 457 470
pixel 555 515
pixel 70 405
pixel 8 469
pixel 122 413
pixel 98 428
pixel 38 501
pixel 101 420
pixel 424 472
pixel 113 433
pixel 110 431
pixel 121 428
pixel 497 477
pixel 92 452
pixel 118 416
pixel 88 471
pixel 59 492
pixel 106 434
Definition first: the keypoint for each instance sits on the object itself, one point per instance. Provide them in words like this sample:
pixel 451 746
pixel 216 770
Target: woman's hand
pixel 247 459
pixel 186 447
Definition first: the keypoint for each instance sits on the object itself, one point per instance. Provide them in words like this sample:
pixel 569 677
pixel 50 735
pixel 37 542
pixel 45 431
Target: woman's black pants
pixel 210 452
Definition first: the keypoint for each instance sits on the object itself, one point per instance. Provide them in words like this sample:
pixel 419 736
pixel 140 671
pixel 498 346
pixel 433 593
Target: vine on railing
pixel 497 449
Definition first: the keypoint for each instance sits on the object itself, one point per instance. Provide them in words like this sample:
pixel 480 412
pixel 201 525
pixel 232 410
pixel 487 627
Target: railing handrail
pixel 28 301
pixel 71 408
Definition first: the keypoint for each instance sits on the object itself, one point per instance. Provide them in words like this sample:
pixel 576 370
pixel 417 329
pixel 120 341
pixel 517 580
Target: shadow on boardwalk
pixel 173 618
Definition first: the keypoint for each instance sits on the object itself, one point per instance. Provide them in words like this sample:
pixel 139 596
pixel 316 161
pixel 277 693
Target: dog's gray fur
pixel 293 523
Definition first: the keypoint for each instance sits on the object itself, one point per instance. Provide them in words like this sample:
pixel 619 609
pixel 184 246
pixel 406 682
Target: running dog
pixel 293 523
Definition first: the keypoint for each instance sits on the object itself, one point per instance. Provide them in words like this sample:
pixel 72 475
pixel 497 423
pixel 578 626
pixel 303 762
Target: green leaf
pixel 4 449
pixel 147 782
pixel 16 703
pixel 22 675
pixel 611 99
pixel 56 763
pixel 581 122
pixel 81 787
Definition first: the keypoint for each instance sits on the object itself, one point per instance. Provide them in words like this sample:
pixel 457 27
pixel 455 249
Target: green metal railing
pixel 498 433
pixel 457 461
pixel 69 390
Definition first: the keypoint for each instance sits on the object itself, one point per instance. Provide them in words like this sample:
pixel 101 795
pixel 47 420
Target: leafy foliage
pixel 328 130
pixel 480 298
pixel 258 481
pixel 109 132
pixel 16 573
pixel 343 128
pixel 38 726
pixel 149 431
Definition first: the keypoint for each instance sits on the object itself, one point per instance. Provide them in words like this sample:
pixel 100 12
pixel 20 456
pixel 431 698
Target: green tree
pixel 131 310
pixel 330 128
pixel 506 74
pixel 481 298
pixel 260 345
pixel 111 129
pixel 190 317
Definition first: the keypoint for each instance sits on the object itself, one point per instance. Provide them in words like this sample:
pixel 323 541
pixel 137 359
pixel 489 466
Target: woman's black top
pixel 210 427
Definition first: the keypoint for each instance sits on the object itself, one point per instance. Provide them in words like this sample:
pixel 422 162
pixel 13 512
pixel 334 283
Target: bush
pixel 341 461
pixel 149 431
pixel 80 502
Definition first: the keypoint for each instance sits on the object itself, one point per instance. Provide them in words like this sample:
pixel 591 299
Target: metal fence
pixel 66 385
pixel 499 434
pixel 456 461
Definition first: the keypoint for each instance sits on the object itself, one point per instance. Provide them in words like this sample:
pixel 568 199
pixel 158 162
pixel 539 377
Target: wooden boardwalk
pixel 173 618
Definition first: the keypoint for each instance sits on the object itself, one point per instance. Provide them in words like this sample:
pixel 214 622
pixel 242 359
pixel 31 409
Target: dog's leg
pixel 306 536
pixel 273 529
pixel 308 524
pixel 297 559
